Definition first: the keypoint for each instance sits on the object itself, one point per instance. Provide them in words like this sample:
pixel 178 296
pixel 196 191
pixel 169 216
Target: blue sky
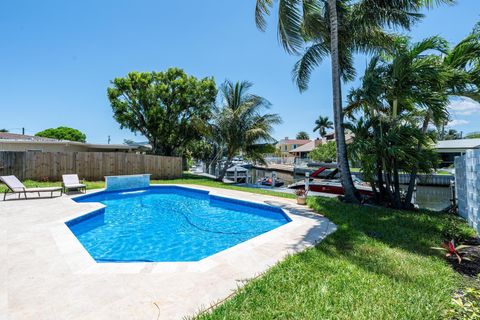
pixel 57 58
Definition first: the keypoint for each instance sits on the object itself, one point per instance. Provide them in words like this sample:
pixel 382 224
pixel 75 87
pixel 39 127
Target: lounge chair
pixel 71 182
pixel 15 186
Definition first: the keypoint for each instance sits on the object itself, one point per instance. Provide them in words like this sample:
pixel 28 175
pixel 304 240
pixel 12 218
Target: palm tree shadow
pixel 360 229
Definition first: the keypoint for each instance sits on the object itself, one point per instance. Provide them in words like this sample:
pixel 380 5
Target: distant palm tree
pixel 240 126
pixel 302 135
pixel 322 124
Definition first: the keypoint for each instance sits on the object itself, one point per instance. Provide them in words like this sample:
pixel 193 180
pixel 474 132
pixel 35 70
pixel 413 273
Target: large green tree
pixel 171 109
pixel 63 133
pixel 338 28
pixel 240 126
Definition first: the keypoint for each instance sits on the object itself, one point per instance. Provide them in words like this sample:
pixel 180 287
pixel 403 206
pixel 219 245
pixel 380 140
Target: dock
pixel 285 168
pixel 423 179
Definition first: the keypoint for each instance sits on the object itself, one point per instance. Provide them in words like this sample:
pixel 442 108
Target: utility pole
pixel 23 131
pixel 108 140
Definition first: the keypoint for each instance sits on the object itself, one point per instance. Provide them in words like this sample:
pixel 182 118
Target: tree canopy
pixel 171 109
pixel 63 133
pixel 326 152
pixel 302 135
pixel 472 135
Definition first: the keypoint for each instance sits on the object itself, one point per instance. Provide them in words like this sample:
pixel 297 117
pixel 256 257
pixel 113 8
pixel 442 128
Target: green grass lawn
pixel 378 265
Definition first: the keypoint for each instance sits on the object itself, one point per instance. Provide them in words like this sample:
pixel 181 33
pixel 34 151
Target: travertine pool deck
pixel 45 273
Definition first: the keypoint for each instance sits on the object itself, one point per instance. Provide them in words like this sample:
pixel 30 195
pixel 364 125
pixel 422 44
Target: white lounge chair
pixel 71 182
pixel 16 186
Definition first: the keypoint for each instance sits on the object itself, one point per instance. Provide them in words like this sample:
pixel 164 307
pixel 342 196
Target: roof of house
pixel 20 138
pixel 293 141
pixel 458 144
pixel 307 147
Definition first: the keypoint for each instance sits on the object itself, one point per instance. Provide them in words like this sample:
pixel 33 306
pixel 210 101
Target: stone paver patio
pixel 45 273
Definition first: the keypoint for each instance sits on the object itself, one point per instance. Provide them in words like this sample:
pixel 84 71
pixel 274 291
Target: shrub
pixel 326 152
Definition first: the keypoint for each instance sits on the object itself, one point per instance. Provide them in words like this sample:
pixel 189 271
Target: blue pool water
pixel 166 223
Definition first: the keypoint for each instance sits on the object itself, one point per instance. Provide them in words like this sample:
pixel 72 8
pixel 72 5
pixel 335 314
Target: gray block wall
pixel 467 185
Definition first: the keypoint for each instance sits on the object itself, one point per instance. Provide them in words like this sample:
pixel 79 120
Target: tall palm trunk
pixel 414 172
pixel 396 185
pixel 346 176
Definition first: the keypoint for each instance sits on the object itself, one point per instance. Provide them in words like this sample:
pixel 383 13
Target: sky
pixel 57 59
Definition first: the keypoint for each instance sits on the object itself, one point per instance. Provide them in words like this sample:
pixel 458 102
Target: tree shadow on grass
pixel 362 233
pixel 414 231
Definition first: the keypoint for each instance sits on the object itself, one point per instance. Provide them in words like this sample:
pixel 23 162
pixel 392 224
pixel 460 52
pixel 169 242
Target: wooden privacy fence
pixel 88 165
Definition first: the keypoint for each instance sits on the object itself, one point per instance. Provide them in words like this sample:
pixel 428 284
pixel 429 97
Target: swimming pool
pixel 169 223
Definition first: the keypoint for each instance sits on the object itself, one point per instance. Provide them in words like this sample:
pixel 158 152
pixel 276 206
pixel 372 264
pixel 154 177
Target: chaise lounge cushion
pixel 46 189
pixel 71 181
pixel 13 183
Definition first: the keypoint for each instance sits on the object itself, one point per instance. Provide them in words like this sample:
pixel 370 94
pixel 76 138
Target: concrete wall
pixel 467 185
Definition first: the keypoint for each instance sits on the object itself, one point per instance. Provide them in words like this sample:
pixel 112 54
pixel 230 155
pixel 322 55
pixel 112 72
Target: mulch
pixel 470 264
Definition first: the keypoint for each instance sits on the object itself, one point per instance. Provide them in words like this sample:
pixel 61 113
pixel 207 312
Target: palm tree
pixel 302 135
pixel 402 94
pixel 322 124
pixel 240 126
pixel 339 28
pixel 465 59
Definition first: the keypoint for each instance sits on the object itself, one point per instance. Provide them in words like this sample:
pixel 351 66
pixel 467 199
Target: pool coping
pixel 80 261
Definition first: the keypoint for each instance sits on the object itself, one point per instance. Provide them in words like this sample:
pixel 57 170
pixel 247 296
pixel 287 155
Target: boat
pixel 267 181
pixel 330 184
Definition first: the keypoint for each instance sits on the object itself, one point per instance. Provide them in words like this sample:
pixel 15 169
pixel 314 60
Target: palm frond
pixel 312 58
pixel 262 9
pixel 289 25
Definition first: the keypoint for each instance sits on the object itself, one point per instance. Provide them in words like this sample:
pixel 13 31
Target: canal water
pixel 428 197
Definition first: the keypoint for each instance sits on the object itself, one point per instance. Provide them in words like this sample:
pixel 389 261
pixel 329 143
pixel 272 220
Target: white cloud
pixel 464 107
pixel 458 122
